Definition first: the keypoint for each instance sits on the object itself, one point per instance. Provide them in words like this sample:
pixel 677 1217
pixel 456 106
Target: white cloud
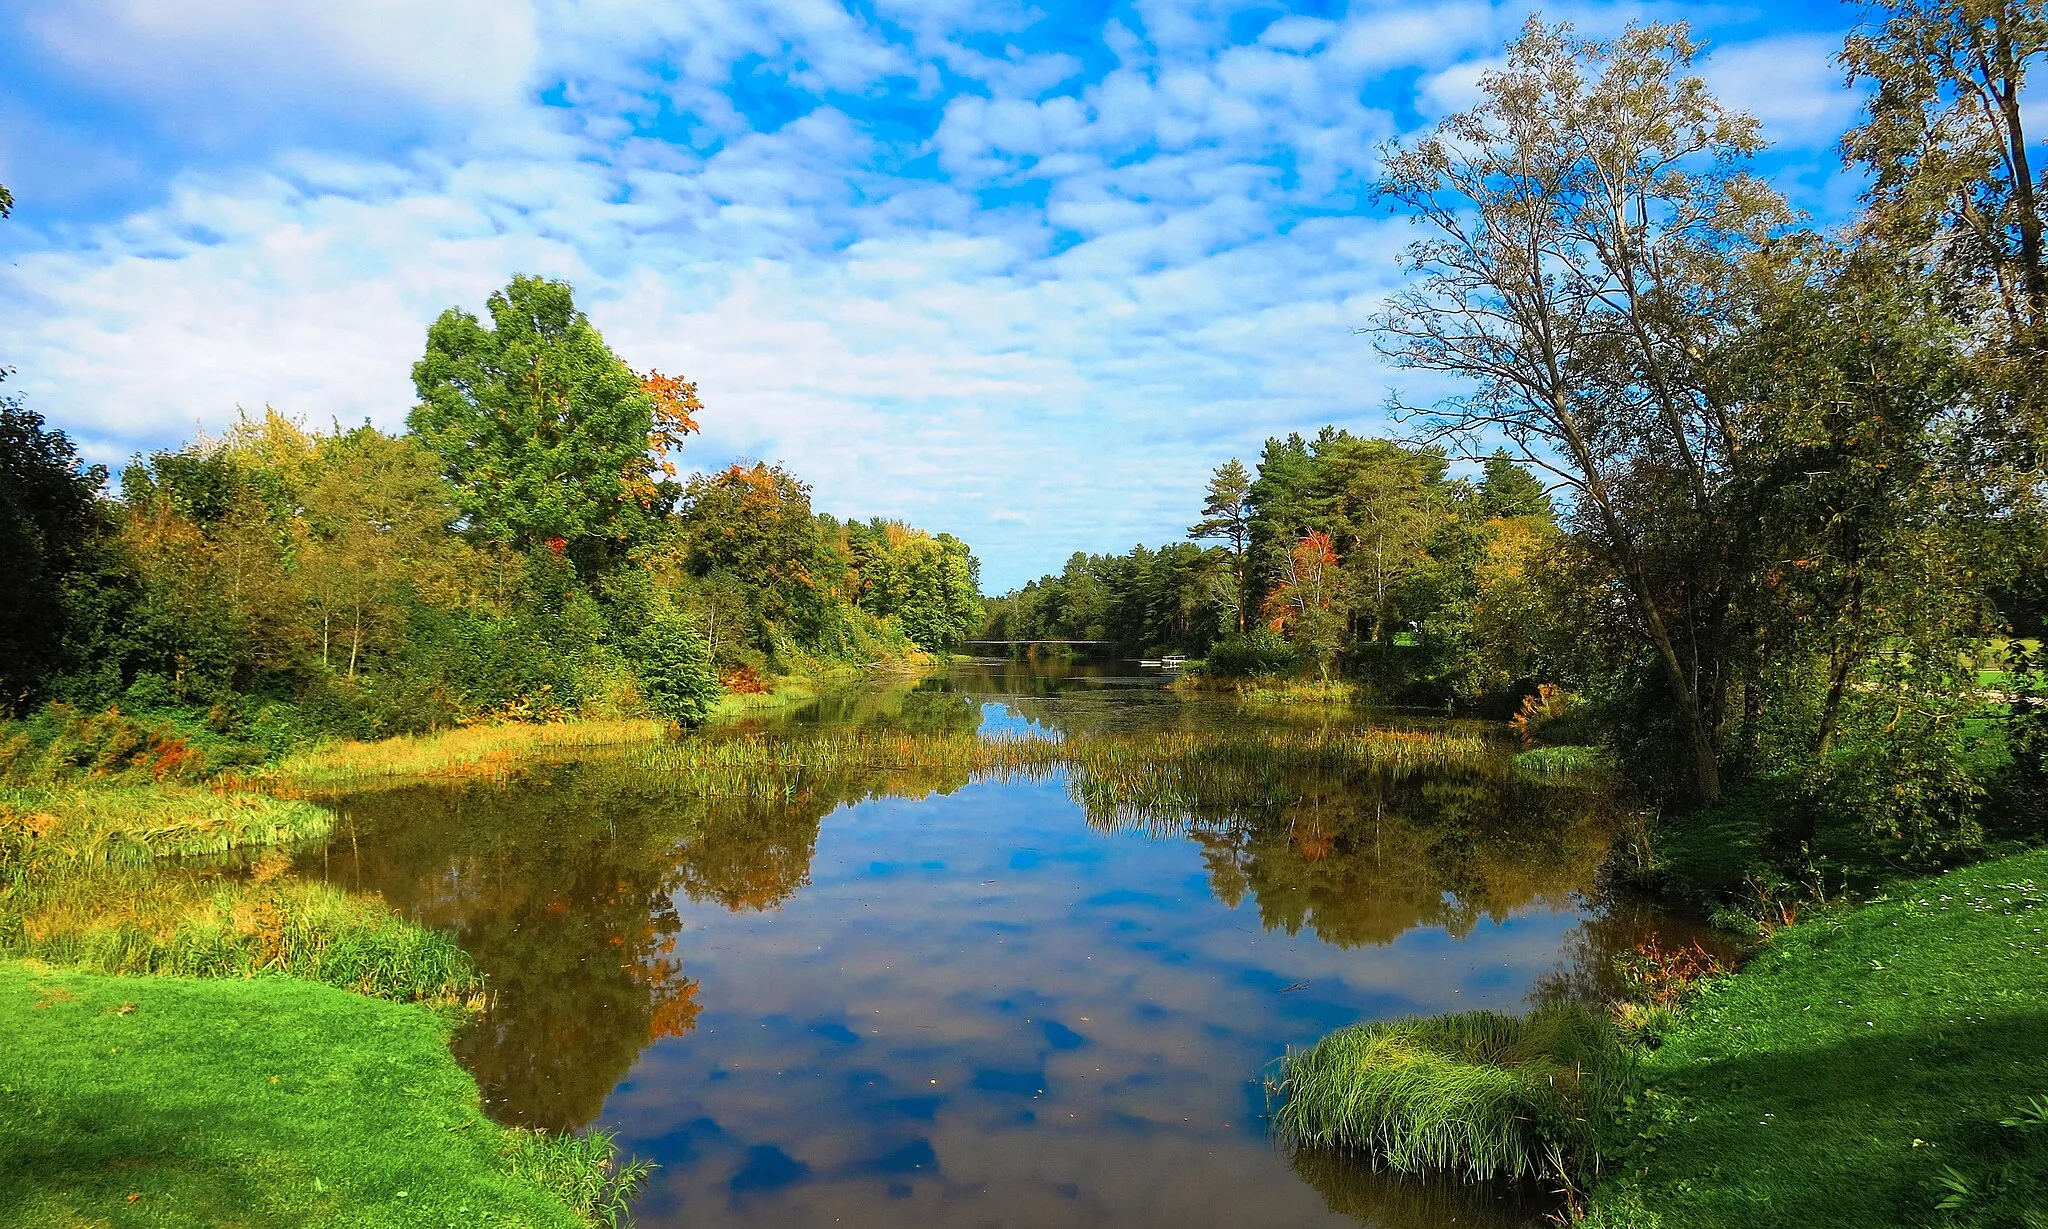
pixel 1790 83
pixel 217 58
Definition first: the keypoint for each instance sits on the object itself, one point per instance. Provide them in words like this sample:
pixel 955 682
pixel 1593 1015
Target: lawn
pixel 244 1102
pixel 1873 1067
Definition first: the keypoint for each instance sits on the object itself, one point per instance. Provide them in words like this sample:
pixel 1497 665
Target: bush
pixel 1252 655
pixel 674 666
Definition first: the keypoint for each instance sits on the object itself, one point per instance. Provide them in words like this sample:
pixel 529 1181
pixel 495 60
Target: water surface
pixel 902 997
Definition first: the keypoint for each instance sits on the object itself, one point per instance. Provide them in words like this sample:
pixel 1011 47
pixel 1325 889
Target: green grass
pixel 165 1103
pixel 1860 1072
pixel 80 825
pixel 1561 761
pixel 1479 1093
pixel 145 922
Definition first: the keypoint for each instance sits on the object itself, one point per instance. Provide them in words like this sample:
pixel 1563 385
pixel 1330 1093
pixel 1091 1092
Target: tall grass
pixel 583 1171
pixel 1478 1093
pixel 53 828
pixel 1564 760
pixel 146 920
pixel 485 752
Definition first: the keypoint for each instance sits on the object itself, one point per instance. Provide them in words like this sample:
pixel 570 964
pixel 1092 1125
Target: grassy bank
pixel 171 1102
pixel 1872 1067
pixel 68 827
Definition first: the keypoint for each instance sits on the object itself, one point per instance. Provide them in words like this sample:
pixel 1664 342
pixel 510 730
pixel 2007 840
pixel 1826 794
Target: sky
pixel 1021 272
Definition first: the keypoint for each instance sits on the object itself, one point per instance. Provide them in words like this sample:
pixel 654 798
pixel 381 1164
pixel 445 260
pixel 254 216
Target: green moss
pixel 166 1102
pixel 1860 1072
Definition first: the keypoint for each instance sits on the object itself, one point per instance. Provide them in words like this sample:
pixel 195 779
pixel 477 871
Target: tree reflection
pixel 1359 854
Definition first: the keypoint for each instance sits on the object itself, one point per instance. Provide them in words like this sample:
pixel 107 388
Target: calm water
pixel 901 998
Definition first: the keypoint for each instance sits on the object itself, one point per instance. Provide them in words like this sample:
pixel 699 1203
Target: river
pixel 909 996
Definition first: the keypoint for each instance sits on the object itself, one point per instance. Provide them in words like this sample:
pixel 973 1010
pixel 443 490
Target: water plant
pixel 583 1171
pixel 1478 1093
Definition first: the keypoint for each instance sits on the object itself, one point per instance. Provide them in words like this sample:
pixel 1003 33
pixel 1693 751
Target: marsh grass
pixel 53 828
pixel 478 752
pixel 1479 1093
pixel 583 1171
pixel 1564 760
pixel 171 922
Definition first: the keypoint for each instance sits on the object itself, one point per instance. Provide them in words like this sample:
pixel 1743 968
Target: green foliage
pixel 542 431
pixel 1478 1093
pixel 51 526
pixel 673 664
pixel 1254 655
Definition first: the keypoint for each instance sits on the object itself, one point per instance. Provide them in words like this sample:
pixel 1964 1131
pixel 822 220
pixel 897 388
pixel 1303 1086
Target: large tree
pixel 1589 222
pixel 546 435
pixel 50 521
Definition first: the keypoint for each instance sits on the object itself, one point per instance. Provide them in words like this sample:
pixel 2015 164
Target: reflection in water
pixel 915 999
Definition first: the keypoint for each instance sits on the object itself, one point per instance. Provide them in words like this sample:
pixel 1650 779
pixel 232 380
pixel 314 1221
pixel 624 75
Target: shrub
pixel 1252 655
pixel 674 666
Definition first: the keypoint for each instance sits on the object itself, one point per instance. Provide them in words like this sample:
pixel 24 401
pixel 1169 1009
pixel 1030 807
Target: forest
pixel 525 550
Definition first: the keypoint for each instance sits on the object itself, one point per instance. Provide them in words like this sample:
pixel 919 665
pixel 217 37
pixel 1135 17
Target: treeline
pixel 1339 554
pixel 1798 474
pixel 524 550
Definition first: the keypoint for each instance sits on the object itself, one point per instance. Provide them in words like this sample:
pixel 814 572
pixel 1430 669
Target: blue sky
pixel 1024 272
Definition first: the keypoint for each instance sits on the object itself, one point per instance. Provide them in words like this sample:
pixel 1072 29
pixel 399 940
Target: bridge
pixel 1013 643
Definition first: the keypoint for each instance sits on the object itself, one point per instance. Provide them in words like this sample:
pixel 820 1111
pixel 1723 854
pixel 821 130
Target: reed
pixel 50 829
pixel 583 1171
pixel 476 752
pixel 1478 1093
pixel 1564 761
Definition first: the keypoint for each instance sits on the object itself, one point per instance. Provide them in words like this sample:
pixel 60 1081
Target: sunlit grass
pixel 265 1103
pixel 481 752
pixel 94 824
pixel 163 922
pixel 1478 1093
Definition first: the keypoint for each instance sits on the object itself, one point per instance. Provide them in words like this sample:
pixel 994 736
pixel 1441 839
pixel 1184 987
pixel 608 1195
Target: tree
pixel 1305 603
pixel 673 663
pixel 1226 514
pixel 1947 145
pixel 544 432
pixel 1589 226
pixel 1508 490
pixel 378 516
pixel 50 523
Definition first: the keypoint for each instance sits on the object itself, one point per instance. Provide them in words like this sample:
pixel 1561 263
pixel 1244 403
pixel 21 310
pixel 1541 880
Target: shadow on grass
pixel 1857 1132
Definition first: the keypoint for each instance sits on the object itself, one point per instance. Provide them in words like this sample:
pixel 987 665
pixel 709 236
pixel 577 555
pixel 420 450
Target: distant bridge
pixel 1018 642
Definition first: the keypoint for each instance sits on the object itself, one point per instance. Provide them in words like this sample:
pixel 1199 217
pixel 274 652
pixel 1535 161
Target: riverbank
pixel 255 1102
pixel 1873 1066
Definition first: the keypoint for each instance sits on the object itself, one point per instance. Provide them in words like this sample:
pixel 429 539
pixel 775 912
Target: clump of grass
pixel 1564 760
pixel 1267 691
pixel 1478 1093
pixel 54 828
pixel 583 1171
